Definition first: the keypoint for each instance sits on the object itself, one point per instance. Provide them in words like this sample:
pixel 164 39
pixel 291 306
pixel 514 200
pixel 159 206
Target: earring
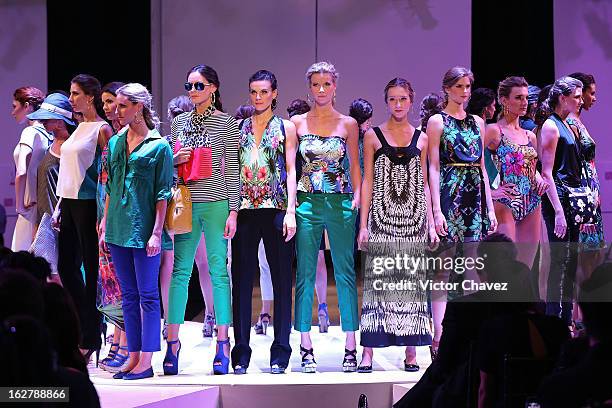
pixel 334 99
pixel 273 103
pixel 308 98
pixel 212 96
pixel 505 110
pixel 138 119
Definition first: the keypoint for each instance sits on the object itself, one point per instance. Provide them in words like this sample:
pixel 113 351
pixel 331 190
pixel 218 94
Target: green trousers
pixel 209 218
pixel 333 212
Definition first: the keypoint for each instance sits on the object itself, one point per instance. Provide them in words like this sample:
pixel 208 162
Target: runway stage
pixel 329 387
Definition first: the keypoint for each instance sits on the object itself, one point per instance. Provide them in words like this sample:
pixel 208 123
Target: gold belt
pixel 475 164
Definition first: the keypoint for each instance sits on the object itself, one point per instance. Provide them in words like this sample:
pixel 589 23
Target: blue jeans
pixel 138 275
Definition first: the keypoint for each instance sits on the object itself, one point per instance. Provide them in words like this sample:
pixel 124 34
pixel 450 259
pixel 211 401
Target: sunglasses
pixel 199 86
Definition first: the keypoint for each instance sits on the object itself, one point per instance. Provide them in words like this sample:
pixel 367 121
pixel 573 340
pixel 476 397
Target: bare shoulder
pixel 435 122
pixel 289 125
pixel 479 121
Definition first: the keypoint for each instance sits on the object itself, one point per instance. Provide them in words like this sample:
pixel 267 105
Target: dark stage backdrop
pixel 512 38
pixel 109 39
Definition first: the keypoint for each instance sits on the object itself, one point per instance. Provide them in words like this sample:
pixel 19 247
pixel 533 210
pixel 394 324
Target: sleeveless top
pixel 518 166
pixel 322 164
pixel 567 165
pixel 398 211
pixel 263 171
pixel 79 163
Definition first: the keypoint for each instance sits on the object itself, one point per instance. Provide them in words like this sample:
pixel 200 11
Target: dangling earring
pixel 308 98
pixel 212 97
pixel 273 103
pixel 138 118
pixel 505 110
pixel 334 99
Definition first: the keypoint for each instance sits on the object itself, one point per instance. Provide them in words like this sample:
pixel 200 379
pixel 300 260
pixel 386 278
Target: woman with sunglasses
pixel 204 138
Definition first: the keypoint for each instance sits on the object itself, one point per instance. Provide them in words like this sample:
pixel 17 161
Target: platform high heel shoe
pixel 88 353
pixel 323 318
pixel 171 361
pixel 119 362
pixel 221 361
pixel 112 352
pixel 261 327
pixel 309 365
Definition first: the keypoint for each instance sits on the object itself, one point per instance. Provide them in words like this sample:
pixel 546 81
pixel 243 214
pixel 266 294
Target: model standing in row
pixel 325 200
pixel 267 211
pixel 395 217
pixel 203 139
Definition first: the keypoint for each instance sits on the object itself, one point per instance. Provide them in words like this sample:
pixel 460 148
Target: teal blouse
pixel 134 186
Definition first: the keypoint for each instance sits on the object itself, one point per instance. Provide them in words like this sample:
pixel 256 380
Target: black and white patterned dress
pixel 397 224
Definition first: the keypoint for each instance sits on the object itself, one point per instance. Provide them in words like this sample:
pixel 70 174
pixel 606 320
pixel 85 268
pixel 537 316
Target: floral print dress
pixel 518 166
pixel 462 198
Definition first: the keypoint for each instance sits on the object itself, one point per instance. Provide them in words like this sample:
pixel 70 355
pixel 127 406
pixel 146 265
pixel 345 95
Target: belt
pixel 475 164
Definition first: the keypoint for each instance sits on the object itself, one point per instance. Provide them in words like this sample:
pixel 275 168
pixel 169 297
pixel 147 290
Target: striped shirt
pixel 224 183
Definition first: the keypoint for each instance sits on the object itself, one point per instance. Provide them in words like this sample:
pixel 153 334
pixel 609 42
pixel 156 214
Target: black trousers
pixel 563 263
pixel 78 244
pixel 253 225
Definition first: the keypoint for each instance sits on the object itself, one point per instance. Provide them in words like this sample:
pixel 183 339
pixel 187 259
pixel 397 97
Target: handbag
pixel 178 214
pixel 45 242
pixel 583 199
pixel 109 299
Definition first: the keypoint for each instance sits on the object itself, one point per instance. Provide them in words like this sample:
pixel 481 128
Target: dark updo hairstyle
pixel 586 79
pixel 542 112
pixel 361 110
pixel 244 111
pixel 505 88
pixel 401 82
pixel 562 86
pixel 430 105
pixel 91 87
pixel 264 75
pixel 112 87
pixel 479 100
pixel 451 77
pixel 178 105
pixel 298 107
pixel 211 76
pixel 28 94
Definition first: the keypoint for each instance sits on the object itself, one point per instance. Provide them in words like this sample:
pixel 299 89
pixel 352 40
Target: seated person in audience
pixel 524 334
pixel 462 321
pixel 587 383
pixel 28 360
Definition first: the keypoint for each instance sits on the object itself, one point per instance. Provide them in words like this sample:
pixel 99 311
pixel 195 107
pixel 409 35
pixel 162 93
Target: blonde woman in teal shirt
pixel 138 187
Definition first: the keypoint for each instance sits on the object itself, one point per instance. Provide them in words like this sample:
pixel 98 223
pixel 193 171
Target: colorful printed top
pixel 322 164
pixel 263 173
pixel 518 166
pixel 135 184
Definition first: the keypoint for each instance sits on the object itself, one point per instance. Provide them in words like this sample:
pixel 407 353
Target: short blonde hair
pixel 322 67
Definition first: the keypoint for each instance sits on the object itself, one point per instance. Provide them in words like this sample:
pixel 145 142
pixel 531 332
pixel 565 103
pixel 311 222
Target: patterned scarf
pixel 194 132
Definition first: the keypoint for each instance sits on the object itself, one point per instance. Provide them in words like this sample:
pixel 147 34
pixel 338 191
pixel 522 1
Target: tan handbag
pixel 178 215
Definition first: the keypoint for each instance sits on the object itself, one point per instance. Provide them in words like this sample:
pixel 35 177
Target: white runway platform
pixel 329 387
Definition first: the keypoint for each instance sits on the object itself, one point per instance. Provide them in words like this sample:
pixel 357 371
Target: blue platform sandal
pixel 117 363
pixel 171 361
pixel 112 352
pixel 221 361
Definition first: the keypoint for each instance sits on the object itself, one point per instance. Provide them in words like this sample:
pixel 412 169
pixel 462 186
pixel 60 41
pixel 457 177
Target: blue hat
pixel 55 106
pixel 532 93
